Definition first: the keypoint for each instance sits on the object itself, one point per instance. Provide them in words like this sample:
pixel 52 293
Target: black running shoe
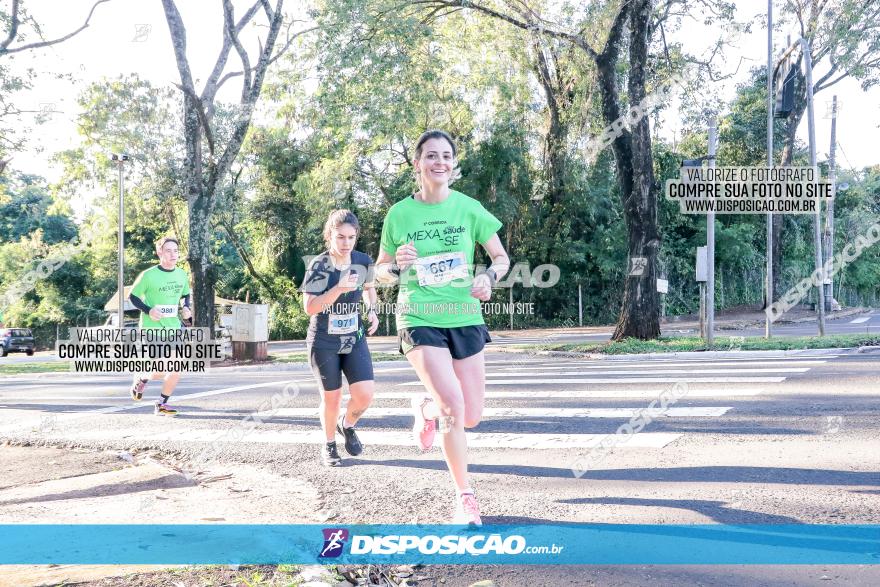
pixel 330 456
pixel 353 444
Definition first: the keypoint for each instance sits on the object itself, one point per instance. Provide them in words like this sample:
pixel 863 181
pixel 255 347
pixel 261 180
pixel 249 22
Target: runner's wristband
pixel 394 269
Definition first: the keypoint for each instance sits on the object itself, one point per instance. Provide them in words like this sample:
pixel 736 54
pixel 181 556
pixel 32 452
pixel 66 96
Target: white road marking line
pixel 20 427
pixel 72 389
pixel 63 398
pixel 387 438
pixel 198 394
pixel 596 393
pixel 393 369
pixel 569 366
pixel 123 383
pixel 685 412
pixel 626 380
pixel 658 372
pixel 56 380
pixel 860 320
pixel 700 361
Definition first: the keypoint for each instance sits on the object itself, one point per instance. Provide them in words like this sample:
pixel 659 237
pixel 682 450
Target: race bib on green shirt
pixel 162 290
pixel 169 311
pixel 442 268
pixel 435 290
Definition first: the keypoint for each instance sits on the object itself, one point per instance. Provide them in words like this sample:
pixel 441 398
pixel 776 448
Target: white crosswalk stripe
pixel 569 366
pixel 606 382
pixel 390 438
pixel 549 338
pixel 625 380
pixel 603 383
pixel 535 395
pixel 700 412
pixel 599 393
pixel 664 371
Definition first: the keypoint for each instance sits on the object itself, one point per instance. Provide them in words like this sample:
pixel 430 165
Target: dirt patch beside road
pixel 44 485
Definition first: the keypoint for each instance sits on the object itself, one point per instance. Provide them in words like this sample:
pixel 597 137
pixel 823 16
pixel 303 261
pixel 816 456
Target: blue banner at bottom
pixel 569 544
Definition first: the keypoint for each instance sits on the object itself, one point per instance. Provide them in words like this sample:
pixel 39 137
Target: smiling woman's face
pixel 436 162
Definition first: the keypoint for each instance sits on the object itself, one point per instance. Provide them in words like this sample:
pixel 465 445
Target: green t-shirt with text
pixel 435 291
pixel 161 288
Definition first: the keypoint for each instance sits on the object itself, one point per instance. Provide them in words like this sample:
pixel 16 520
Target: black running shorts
pixel 328 366
pixel 462 342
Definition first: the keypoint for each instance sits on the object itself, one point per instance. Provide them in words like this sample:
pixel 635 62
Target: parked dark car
pixel 16 340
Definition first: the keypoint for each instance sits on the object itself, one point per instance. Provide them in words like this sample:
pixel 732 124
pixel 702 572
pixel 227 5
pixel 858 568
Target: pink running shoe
pixel 137 389
pixel 423 429
pixel 467 512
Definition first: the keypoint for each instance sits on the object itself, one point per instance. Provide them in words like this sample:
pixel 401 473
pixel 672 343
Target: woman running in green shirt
pixel 428 242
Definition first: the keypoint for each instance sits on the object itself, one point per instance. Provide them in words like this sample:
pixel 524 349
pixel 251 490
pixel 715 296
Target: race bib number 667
pixel 442 268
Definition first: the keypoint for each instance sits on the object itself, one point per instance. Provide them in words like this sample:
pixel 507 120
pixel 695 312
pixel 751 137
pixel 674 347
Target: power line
pixel 842 152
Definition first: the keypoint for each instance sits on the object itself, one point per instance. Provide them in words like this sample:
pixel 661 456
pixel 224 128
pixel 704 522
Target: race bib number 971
pixel 442 268
pixel 342 323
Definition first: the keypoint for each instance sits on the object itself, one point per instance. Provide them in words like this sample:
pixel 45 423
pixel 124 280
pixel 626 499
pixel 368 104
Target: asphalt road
pixel 863 324
pixel 755 439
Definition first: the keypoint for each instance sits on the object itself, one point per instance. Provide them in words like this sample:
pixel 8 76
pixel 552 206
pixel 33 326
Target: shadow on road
pixel 152 484
pixel 769 475
pixel 716 510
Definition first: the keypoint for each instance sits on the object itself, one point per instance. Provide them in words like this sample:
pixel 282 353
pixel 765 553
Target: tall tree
pixel 640 309
pixel 14 26
pixel 844 37
pixel 207 163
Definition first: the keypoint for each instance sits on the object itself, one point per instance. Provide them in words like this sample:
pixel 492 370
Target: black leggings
pixel 328 366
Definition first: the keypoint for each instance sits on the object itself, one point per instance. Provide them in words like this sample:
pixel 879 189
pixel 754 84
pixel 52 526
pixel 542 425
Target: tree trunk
pixel 640 311
pixel 791 126
pixel 555 143
pixel 199 254
pixel 203 271
pixel 204 175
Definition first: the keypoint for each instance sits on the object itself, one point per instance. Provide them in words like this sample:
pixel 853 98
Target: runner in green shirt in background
pixel 157 293
pixel 428 242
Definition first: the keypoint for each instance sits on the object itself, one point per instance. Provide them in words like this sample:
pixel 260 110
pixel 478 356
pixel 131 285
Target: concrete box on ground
pixel 250 351
pixel 250 331
pixel 250 323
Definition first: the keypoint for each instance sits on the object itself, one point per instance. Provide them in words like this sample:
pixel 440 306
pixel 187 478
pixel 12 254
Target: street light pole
pixel 769 285
pixel 817 236
pixel 120 159
pixel 710 245
pixel 829 212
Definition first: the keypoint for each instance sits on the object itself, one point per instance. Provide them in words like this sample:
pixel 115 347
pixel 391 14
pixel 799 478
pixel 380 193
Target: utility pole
pixel 580 305
pixel 710 245
pixel 510 307
pixel 768 332
pixel 817 236
pixel 829 213
pixel 120 159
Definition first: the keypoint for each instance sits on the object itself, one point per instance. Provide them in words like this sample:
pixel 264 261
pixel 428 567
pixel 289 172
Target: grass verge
pixel 28 368
pixel 722 343
pixel 210 576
